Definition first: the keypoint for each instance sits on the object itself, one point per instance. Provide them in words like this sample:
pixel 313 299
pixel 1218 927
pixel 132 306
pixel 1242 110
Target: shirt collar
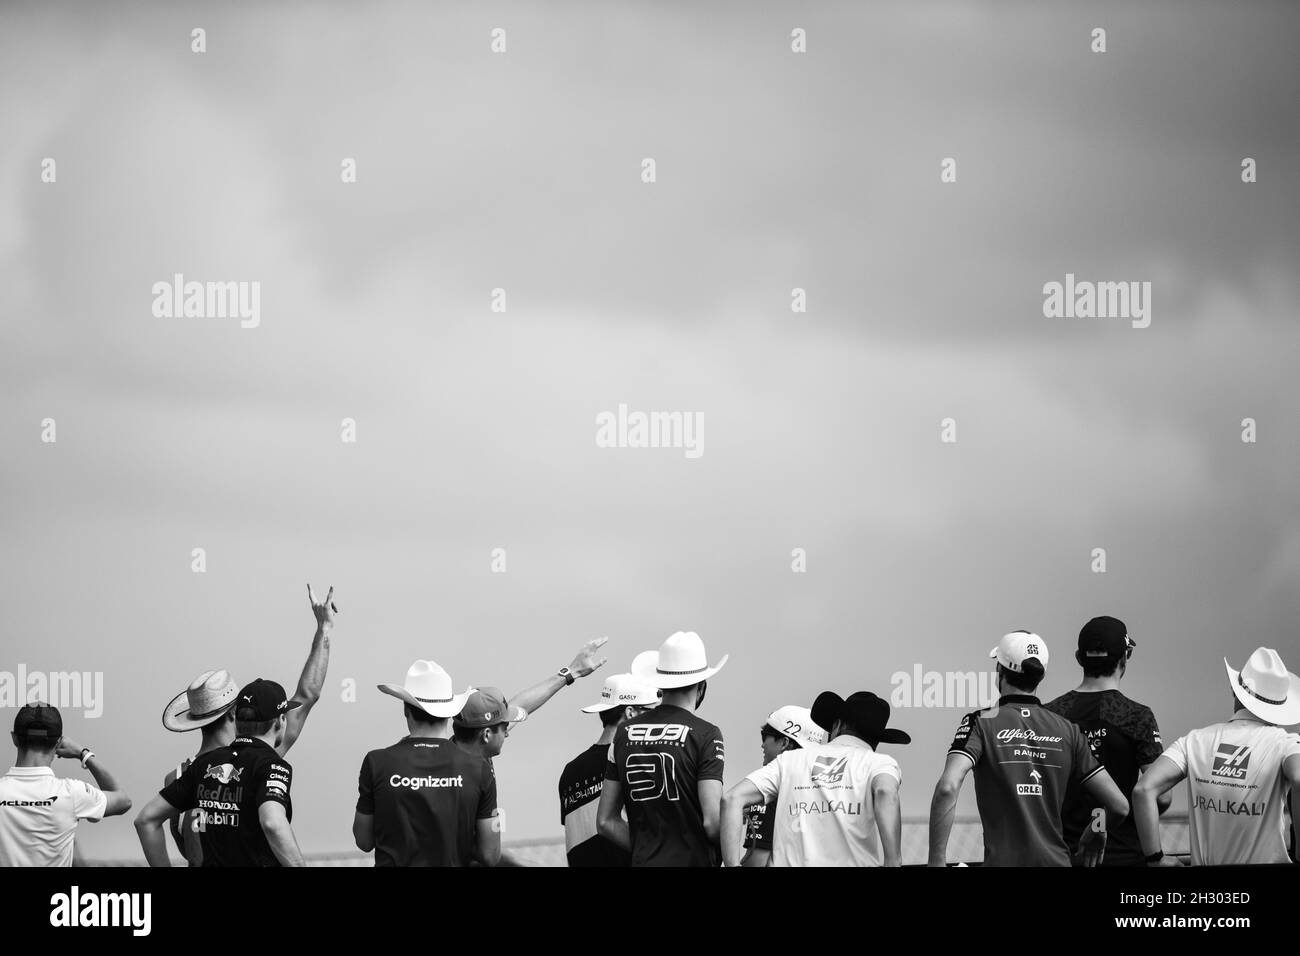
pixel 848 740
pixel 1019 699
pixel 31 772
pixel 1247 715
pixel 250 741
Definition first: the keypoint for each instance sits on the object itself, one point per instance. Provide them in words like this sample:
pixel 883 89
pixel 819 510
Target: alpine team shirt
pixel 1025 758
pixel 39 814
pixel 1124 737
pixel 426 796
pixel 822 804
pixel 580 786
pixel 228 787
pixel 659 759
pixel 1236 791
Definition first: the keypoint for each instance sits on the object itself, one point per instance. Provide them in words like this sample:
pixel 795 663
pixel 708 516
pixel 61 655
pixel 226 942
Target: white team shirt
pixel 39 814
pixel 825 814
pixel 1236 793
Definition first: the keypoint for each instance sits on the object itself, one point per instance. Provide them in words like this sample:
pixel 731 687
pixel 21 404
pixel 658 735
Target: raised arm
pixel 586 661
pixel 943 805
pixel 312 679
pixel 117 800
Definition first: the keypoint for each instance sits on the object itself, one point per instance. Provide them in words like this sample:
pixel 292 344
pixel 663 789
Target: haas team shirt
pixel 1236 791
pixel 1025 759
pixel 426 796
pixel 227 787
pixel 659 759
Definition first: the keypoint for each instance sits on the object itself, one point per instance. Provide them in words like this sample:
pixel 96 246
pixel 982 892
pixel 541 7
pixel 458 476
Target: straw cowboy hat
pixel 679 662
pixel 428 687
pixel 1266 688
pixel 205 701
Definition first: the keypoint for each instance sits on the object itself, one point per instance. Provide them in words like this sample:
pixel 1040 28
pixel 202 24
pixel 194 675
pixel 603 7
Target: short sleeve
pixel 611 764
pixel 768 779
pixel 1292 747
pixel 711 757
pixel 1147 744
pixel 969 739
pixel 88 803
pixel 181 792
pixel 366 789
pixel 1177 752
pixel 885 765
pixel 487 794
pixel 274 785
pixel 1086 765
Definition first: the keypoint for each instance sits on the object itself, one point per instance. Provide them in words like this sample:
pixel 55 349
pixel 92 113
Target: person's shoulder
pixel 1050 718
pixel 1064 704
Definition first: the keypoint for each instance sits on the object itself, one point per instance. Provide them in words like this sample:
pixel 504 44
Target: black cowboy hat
pixel 864 710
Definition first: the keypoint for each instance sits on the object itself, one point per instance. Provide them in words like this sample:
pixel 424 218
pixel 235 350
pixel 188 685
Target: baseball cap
pixel 486 706
pixel 1104 637
pixel 38 723
pixel 262 700
pixel 624 690
pixel 1017 647
pixel 797 724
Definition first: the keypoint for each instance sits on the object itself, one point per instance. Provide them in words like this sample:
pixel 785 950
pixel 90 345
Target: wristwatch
pixel 567 675
pixel 1155 857
pixel 86 754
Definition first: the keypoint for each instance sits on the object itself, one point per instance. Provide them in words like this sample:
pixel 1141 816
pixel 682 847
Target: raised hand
pixel 324 610
pixel 587 659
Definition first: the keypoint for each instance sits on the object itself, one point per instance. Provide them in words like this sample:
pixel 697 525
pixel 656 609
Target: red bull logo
pixel 223 773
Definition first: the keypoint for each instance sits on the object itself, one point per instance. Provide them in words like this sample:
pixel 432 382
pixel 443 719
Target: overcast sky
pixel 475 429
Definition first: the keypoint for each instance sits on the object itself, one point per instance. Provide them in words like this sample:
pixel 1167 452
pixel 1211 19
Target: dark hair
pixel 1097 666
pixel 420 716
pixel 1031 675
pixel 465 735
pixel 40 744
pixel 608 718
pixel 253 728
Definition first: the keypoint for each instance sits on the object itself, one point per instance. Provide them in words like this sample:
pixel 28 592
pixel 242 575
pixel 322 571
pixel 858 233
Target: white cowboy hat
pixel 428 687
pixel 624 690
pixel 679 662
pixel 1267 688
pixel 797 724
pixel 206 700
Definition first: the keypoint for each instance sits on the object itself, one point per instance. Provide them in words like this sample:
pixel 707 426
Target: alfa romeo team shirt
pixel 1025 759
pixel 1236 793
pixel 426 796
pixel 822 805
pixel 580 787
pixel 659 759
pixel 1124 737
pixel 39 814
pixel 228 787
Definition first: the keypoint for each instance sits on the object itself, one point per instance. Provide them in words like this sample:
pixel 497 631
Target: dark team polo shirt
pixel 1025 759
pixel 659 759
pixel 759 819
pixel 580 787
pixel 227 787
pixel 1124 737
pixel 426 796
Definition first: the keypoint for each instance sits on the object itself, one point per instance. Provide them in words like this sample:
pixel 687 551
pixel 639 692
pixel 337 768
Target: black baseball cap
pixel 1105 637
pixel 38 723
pixel 262 700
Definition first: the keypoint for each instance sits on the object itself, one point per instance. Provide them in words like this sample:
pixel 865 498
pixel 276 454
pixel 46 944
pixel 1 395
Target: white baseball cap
pixel 797 724
pixel 1017 647
pixel 624 690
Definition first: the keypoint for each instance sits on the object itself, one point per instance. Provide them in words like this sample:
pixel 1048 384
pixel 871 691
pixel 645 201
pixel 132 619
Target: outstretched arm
pixel 312 680
pixel 586 661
